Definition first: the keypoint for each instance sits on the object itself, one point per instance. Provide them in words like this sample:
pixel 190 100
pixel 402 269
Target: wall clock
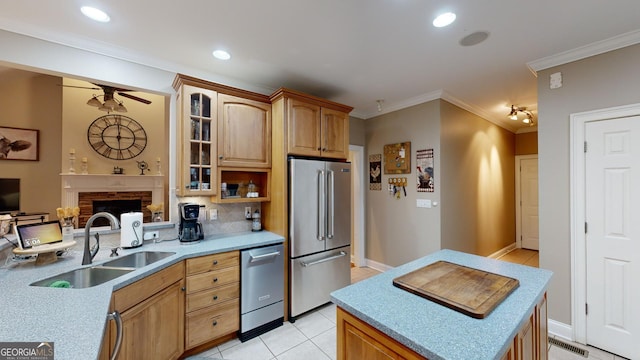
pixel 117 137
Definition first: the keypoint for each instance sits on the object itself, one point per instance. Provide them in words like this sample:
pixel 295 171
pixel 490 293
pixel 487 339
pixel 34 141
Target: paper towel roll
pixel 131 230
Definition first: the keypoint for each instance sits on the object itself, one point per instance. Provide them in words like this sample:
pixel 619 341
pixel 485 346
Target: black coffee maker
pixel 190 229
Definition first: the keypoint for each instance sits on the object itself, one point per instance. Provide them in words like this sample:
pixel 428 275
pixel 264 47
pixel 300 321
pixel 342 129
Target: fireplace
pixel 83 190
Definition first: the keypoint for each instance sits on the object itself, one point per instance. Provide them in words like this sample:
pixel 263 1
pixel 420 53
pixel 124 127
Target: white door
pixel 612 171
pixel 528 203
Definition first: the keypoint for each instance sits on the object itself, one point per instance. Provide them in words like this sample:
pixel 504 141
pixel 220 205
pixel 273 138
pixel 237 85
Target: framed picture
pixel 18 144
pixel 375 172
pixel 397 158
pixel 424 170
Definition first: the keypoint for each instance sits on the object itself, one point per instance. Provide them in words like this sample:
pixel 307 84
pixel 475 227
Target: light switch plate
pixel 213 214
pixel 555 80
pixel 423 203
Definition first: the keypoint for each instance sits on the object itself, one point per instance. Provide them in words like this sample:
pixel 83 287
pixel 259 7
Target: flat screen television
pixel 9 196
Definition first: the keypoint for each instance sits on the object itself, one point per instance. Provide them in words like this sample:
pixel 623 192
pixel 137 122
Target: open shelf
pixel 242 176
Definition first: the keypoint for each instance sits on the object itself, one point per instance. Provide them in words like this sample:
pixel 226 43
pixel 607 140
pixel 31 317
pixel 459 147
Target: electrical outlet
pixel 247 212
pixel 213 214
pixel 150 235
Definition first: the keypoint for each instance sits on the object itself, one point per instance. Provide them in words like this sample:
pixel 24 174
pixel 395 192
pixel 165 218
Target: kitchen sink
pixel 137 260
pixel 83 278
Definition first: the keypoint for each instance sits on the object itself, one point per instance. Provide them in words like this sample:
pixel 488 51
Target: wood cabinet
pixel 213 297
pixel 244 132
pixel 359 340
pixel 314 126
pixel 220 128
pixel 197 148
pixel 152 311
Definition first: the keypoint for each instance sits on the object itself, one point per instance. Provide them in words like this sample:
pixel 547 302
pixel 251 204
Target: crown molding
pixel 596 48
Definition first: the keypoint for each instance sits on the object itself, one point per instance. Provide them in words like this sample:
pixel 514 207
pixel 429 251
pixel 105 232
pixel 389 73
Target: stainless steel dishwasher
pixel 261 290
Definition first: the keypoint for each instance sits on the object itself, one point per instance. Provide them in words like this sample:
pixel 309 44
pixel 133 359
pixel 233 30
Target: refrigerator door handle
pixel 322 188
pixel 339 255
pixel 330 204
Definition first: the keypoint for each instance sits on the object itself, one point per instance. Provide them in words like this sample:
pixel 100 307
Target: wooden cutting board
pixel 470 291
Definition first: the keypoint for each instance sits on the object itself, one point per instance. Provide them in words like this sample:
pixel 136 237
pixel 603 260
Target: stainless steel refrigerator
pixel 319 231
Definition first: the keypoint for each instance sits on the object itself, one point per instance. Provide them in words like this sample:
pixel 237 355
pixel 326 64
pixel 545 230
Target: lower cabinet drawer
pixel 213 322
pixel 215 296
pixel 211 279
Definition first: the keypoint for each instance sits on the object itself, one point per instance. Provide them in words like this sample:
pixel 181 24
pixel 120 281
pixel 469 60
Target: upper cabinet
pixel 244 131
pixel 224 135
pixel 314 126
pixel 197 128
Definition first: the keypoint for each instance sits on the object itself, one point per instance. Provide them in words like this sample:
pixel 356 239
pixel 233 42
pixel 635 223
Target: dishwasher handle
pixel 341 254
pixel 264 256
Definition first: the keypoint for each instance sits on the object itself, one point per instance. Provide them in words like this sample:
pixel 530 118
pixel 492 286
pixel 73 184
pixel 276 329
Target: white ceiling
pixel 350 51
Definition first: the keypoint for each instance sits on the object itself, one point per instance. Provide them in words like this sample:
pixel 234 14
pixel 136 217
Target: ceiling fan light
pixel 110 103
pixel 94 102
pixel 120 108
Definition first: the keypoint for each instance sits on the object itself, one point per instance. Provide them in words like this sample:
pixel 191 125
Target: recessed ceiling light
pixel 444 19
pixel 222 55
pixel 95 14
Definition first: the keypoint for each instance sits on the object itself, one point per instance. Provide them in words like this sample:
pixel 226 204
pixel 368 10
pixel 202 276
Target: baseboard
pixel 376 265
pixel 502 251
pixel 560 329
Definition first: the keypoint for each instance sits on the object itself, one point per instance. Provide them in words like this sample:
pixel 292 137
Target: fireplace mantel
pixel 72 184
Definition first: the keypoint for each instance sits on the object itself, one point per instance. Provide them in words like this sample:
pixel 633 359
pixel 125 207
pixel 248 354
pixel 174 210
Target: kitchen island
pixel 75 319
pixel 377 319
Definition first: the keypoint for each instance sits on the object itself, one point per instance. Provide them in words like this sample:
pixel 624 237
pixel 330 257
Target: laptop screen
pixel 39 234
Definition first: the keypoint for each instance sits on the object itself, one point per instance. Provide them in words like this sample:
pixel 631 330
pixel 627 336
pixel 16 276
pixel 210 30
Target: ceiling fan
pixel 110 103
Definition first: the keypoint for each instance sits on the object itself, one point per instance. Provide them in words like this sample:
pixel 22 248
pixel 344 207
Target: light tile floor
pixel 313 335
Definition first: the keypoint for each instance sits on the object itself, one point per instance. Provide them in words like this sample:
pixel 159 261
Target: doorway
pixel 356 156
pixel 527 202
pixel 605 154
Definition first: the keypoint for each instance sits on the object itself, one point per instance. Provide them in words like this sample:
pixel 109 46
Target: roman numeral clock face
pixel 117 137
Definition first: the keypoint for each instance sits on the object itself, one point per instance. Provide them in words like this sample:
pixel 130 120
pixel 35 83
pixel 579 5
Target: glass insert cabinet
pixel 198 154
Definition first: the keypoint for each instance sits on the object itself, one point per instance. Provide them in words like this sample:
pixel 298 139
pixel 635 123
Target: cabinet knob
pixel 215 297
pixel 215 279
pixel 220 157
pixel 324 149
pixel 215 262
pixel 319 149
pixel 183 288
pixel 215 322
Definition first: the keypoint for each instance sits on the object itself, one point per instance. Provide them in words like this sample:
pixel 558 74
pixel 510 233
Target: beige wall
pixel 477 165
pixel 598 82
pixel 78 116
pixel 33 101
pixel 396 230
pixel 527 143
pixel 356 131
pixel 474 185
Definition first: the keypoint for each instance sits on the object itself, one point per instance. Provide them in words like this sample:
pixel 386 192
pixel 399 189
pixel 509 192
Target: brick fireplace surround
pixel 81 190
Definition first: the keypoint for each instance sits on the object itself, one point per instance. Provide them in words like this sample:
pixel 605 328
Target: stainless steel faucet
pixel 88 254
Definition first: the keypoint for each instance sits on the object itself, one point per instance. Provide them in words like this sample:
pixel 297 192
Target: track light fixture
pixel 528 119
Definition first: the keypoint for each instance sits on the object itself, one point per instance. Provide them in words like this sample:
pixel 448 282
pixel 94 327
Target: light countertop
pixel 75 319
pixel 435 331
